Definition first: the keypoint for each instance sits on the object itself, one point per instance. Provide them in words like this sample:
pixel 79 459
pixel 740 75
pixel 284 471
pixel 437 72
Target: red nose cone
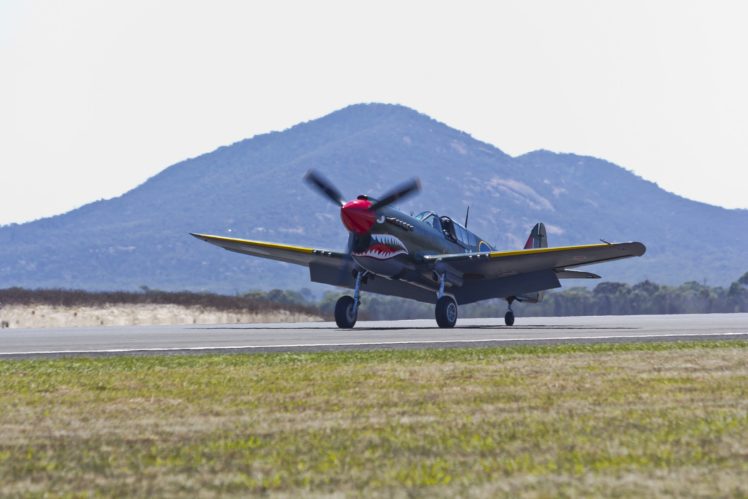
pixel 356 216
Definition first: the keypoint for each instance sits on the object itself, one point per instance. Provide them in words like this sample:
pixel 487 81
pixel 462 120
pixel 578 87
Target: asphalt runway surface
pixel 324 336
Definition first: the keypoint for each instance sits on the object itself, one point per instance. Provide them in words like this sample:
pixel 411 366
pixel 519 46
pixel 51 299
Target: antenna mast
pixel 467 214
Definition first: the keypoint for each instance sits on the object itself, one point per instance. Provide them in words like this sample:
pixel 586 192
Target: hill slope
pixel 253 189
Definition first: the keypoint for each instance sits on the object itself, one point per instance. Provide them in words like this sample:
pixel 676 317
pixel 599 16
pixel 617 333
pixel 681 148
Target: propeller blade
pixel 399 192
pixel 324 186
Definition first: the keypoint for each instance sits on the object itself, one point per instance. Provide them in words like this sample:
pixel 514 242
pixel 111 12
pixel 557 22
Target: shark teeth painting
pixel 383 247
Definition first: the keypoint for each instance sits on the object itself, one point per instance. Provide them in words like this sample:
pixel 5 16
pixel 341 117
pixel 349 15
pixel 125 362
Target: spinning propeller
pixel 359 215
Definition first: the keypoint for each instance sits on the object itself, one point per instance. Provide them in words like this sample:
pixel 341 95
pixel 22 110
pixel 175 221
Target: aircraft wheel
pixel 509 318
pixel 345 315
pixel 446 311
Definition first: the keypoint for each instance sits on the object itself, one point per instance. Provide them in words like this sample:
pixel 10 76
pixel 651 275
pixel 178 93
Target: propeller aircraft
pixel 427 257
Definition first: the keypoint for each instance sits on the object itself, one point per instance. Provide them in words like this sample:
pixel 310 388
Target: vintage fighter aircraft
pixel 427 257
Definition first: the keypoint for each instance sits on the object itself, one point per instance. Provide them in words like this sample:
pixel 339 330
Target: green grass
pixel 590 420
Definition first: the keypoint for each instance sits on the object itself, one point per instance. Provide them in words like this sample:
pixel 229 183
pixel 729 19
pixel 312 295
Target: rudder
pixel 538 237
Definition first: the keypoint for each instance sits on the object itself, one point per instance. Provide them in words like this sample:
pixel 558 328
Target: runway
pixel 324 336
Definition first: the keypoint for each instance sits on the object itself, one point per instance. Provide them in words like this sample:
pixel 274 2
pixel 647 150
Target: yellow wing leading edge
pixel 299 255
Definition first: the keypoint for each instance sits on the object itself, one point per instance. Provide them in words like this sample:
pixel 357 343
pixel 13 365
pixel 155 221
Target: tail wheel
pixel 509 318
pixel 446 311
pixel 345 313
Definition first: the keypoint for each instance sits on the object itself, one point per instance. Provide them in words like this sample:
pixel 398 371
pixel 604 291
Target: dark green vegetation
pixel 607 298
pixel 589 420
pixel 253 189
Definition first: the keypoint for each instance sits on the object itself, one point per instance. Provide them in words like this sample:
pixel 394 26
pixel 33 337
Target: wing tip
pixel 207 237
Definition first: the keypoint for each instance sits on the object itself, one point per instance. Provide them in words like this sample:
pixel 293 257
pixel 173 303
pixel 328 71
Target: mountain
pixel 253 189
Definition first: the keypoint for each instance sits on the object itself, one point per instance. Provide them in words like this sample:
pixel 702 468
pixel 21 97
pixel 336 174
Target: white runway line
pixel 372 344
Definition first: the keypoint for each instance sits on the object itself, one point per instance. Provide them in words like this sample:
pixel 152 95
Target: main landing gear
pixel 446 307
pixel 509 316
pixel 346 308
pixel 446 311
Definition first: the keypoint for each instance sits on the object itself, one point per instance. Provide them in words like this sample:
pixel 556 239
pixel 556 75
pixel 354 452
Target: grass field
pixel 585 420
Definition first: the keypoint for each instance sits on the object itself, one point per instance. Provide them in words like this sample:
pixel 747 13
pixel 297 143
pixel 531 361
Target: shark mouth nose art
pixel 383 247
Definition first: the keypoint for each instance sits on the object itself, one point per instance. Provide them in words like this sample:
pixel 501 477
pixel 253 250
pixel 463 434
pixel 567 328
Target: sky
pixel 98 96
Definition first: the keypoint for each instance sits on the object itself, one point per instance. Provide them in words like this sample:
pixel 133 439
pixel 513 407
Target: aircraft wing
pixel 299 255
pixel 493 264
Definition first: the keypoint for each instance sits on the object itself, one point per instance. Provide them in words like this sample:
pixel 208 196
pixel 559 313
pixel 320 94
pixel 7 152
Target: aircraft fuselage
pixel 397 242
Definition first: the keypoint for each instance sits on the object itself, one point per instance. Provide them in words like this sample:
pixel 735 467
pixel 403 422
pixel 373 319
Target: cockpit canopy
pixel 430 218
pixel 454 231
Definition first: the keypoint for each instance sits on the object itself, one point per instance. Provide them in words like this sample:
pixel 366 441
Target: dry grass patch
pixel 126 314
pixel 536 421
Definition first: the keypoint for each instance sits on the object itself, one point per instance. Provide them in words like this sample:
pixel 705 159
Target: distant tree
pixel 611 298
pixel 647 287
pixel 610 288
pixel 743 279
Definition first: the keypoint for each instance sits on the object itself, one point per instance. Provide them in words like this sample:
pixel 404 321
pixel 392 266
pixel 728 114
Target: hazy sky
pixel 97 96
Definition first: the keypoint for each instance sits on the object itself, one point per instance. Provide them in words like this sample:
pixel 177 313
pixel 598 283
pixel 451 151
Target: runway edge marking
pixel 364 344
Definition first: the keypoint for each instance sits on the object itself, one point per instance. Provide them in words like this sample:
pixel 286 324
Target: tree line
pixel 607 298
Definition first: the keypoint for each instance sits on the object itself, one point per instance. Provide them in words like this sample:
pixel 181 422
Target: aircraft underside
pixel 399 277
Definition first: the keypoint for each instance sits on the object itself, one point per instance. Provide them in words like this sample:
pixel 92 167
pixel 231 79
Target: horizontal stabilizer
pixel 575 274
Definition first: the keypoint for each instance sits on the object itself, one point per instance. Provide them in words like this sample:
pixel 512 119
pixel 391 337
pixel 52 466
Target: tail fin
pixel 538 237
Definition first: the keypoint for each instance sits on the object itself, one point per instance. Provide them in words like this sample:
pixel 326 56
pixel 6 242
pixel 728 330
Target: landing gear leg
pixel 446 307
pixel 346 308
pixel 509 317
